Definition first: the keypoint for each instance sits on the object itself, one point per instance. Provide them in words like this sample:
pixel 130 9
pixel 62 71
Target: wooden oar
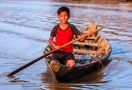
pixel 39 58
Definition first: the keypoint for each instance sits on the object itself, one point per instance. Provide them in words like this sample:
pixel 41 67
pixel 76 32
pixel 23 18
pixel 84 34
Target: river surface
pixel 25 27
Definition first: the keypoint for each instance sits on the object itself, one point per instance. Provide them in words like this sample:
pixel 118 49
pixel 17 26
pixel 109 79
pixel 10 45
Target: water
pixel 25 27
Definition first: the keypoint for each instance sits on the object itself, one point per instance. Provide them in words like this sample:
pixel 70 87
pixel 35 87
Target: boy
pixel 63 33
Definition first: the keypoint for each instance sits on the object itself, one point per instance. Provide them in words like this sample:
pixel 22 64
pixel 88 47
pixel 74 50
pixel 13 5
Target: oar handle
pixel 39 58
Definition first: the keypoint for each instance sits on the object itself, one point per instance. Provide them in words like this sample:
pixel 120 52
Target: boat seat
pixel 86 43
pixel 86 51
pixel 88 38
pixel 96 40
pixel 93 38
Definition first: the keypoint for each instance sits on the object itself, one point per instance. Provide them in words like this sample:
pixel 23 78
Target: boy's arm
pixel 51 41
pixel 88 34
pixel 52 44
pixel 81 40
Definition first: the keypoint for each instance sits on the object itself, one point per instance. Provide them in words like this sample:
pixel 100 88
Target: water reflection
pixel 47 77
pixel 92 80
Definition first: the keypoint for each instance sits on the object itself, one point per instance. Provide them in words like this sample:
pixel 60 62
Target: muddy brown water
pixel 24 31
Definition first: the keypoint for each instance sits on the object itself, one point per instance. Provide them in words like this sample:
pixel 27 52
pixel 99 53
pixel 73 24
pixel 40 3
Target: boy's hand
pixel 57 47
pixel 88 32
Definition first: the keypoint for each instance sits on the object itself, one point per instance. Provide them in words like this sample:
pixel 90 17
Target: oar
pixel 39 58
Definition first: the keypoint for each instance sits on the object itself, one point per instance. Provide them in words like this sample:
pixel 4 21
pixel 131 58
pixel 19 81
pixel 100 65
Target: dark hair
pixel 62 9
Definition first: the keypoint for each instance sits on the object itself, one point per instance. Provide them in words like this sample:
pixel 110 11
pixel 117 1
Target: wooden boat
pixel 89 55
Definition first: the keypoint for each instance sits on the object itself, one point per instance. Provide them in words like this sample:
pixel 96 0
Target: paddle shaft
pixel 39 58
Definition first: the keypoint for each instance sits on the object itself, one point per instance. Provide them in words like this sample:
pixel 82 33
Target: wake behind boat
pixel 89 55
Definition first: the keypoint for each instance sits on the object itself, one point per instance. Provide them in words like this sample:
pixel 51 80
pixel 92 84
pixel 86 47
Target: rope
pixel 101 64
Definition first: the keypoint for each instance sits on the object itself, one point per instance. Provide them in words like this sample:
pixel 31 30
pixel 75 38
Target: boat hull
pixel 99 56
pixel 72 74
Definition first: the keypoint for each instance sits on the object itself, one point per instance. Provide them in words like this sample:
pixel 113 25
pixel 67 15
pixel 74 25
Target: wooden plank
pixel 91 38
pixel 97 38
pixel 107 48
pixel 103 44
pixel 86 43
pixel 86 51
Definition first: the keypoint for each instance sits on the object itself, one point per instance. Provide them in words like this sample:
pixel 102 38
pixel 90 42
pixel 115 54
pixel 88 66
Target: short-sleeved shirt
pixel 64 36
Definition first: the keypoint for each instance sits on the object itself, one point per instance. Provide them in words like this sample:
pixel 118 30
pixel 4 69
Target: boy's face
pixel 63 16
